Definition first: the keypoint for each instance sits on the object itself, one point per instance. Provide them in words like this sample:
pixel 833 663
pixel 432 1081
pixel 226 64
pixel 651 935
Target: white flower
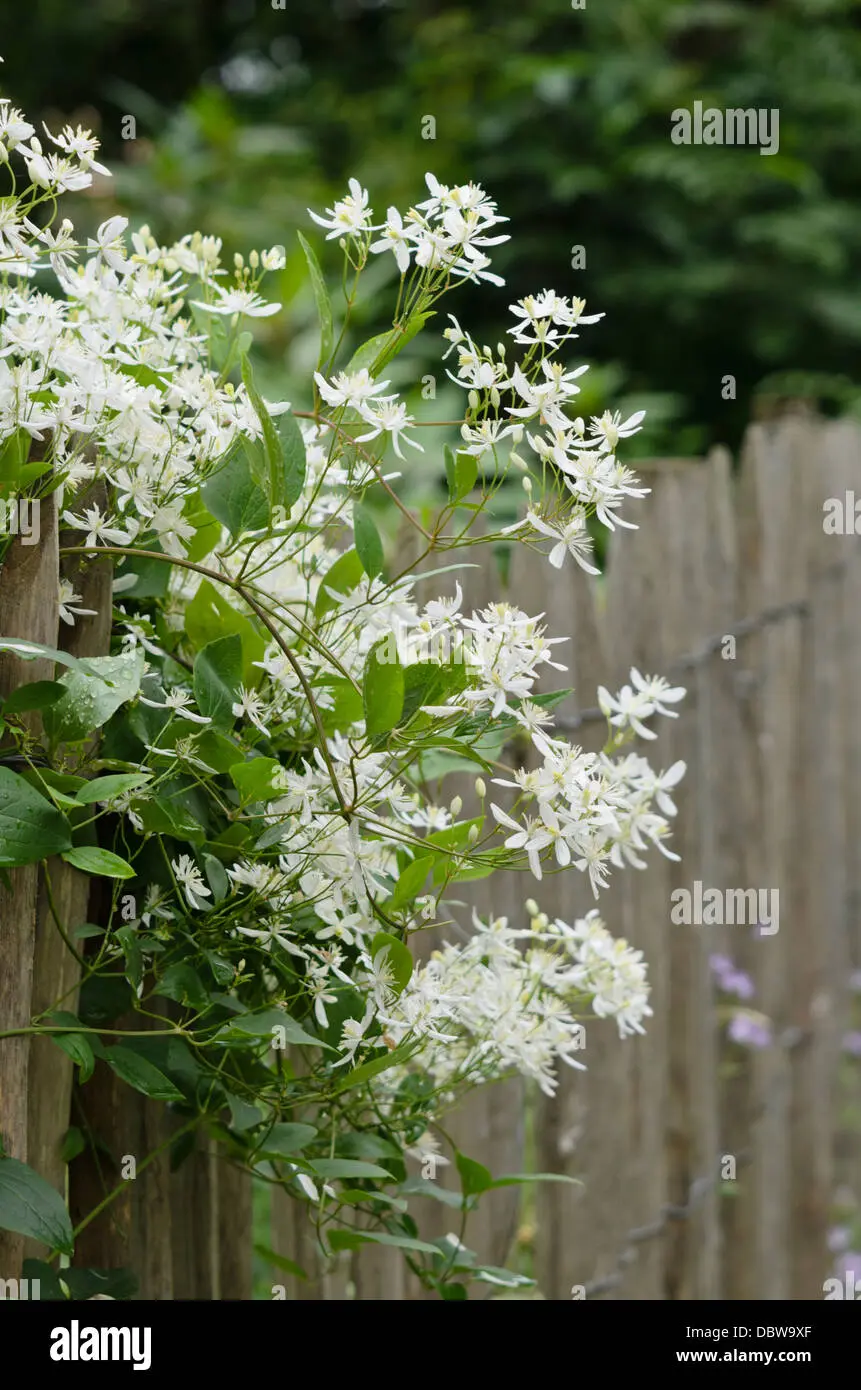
pixel 244 302
pixel 108 242
pixel 351 389
pixel 395 238
pixel 178 701
pixel 189 876
pixel 349 217
pixel 98 528
pixel 250 706
pixel 389 416
pixel 67 598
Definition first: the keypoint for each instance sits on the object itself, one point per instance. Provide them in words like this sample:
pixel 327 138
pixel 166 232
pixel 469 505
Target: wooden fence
pixel 708 1170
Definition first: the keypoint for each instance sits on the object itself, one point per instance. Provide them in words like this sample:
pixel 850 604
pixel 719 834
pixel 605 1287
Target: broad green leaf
pixel 474 1177
pixel 286 1139
pixel 346 1168
pixel 461 471
pixel 31 1207
pixel 140 1074
pixel 210 615
pixel 353 1240
pixel 382 691
pixel 36 695
pixel 217 677
pixel 359 1075
pixel 102 862
pixel 369 547
pixel 90 700
pixel 259 1025
pixel 73 1144
pixel 271 441
pixel 321 299
pixel 242 1115
pixel 253 778
pixel 75 1045
pixel 30 827
pixel 411 882
pixel 281 1261
pixel 398 958
pixel 293 460
pixel 32 651
pixel 377 352
pixel 182 983
pixel 106 788
pixel 233 497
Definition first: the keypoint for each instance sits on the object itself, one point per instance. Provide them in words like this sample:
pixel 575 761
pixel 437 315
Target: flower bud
pixel 531 907
pixel 527 486
pixel 473 834
pixel 456 806
pixel 474 400
pixel 480 788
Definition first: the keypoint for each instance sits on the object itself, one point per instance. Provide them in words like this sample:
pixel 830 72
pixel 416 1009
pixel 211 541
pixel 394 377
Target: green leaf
pixel 31 1207
pixel 353 1240
pixel 91 699
pixel 75 1045
pixel 30 827
pixel 216 877
pixel 346 1168
pixel 280 1261
pixel 72 1145
pixel 398 959
pixel 128 939
pixel 343 577
pixel 36 695
pixel 210 615
pixel 271 441
pixel 359 1075
pixel 92 860
pixel 382 691
pixel 474 1177
pixel 369 547
pixel 140 1074
pixel 321 299
pixel 379 350
pixel 411 882
pixel 183 984
pixel 461 471
pixel 293 460
pixel 253 778
pixel 232 496
pixel 259 1025
pixel 106 788
pixel 33 651
pixel 217 677
pixel 242 1115
pixel 286 1139
pixel 517 1179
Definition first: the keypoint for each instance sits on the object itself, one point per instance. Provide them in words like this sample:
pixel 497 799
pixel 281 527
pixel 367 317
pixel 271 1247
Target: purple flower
pixel 750 1030
pixel 739 984
pixel 838 1239
pixel 852 1043
pixel 850 1261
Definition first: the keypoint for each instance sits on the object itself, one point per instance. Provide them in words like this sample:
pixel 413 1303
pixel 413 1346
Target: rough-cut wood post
pixel 56 973
pixel 692 1252
pixel 193 1224
pixel 819 858
pixel 28 609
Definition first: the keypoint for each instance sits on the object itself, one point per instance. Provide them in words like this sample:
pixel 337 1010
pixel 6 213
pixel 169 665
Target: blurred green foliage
pixel 708 260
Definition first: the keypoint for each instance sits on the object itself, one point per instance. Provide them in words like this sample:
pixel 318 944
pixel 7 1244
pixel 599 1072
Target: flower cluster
pixel 268 755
